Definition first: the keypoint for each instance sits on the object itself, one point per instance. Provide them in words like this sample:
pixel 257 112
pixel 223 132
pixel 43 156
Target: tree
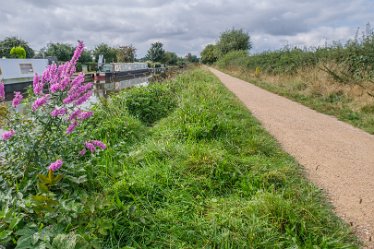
pixel 191 58
pixel 209 54
pixel 170 58
pixel 10 42
pixel 85 57
pixel 156 53
pixel 108 52
pixel 18 52
pixel 234 39
pixel 62 51
pixel 126 53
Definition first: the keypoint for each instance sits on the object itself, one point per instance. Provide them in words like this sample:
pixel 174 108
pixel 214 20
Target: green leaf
pixel 14 222
pixel 5 234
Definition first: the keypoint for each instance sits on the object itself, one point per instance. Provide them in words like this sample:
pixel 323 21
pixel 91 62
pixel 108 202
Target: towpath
pixel 336 156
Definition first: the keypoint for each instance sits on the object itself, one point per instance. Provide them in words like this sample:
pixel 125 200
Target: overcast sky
pixel 183 26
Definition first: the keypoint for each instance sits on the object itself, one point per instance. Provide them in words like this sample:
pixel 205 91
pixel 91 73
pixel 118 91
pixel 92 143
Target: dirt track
pixel 336 156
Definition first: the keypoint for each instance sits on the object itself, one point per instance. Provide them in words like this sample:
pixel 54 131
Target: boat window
pixel 26 68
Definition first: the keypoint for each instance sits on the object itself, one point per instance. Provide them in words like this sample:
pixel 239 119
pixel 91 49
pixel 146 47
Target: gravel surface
pixel 337 157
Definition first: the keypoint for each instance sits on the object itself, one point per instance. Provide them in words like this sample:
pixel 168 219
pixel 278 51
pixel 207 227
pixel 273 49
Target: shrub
pixel 150 104
pixel 233 59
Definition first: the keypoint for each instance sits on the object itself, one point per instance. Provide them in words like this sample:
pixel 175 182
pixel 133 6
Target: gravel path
pixel 336 156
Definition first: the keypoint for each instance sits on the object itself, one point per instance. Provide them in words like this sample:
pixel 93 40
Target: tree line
pixel 13 47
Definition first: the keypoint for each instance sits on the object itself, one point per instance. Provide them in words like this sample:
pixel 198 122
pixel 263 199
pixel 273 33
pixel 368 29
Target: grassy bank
pixel 203 174
pixel 315 79
pixel 186 166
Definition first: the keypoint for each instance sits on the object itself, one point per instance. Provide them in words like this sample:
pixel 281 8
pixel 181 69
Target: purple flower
pixel 85 115
pixel 82 152
pixel 37 85
pixel 39 102
pixel 8 134
pixel 71 127
pixel 2 91
pixel 17 99
pixel 55 165
pixel 58 112
pixel 99 144
pixel 84 98
pixel 75 114
pixel 54 88
pixel 90 146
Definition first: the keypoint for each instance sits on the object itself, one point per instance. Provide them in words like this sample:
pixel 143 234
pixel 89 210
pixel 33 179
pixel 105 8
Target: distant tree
pixel 191 58
pixel 8 43
pixel 126 53
pixel 62 51
pixel 209 54
pixel 170 58
pixel 156 53
pixel 18 52
pixel 234 39
pixel 86 57
pixel 108 52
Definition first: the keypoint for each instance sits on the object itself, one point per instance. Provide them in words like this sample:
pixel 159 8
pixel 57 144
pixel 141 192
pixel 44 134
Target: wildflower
pixel 75 114
pixel 55 165
pixel 82 152
pixel 99 144
pixel 39 102
pixel 17 99
pixel 90 146
pixel 84 98
pixel 37 85
pixel 58 112
pixel 71 127
pixel 8 134
pixel 2 91
pixel 85 115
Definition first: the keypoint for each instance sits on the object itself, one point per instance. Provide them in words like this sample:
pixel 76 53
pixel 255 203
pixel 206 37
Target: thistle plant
pixel 44 136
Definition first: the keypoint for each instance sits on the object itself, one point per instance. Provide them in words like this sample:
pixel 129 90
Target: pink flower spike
pixel 99 144
pixel 55 165
pixel 90 146
pixel 8 135
pixel 39 102
pixel 17 99
pixel 85 115
pixel 2 91
pixel 71 127
pixel 58 112
pixel 82 152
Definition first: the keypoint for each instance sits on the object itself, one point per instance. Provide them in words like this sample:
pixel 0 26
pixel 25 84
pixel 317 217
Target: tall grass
pixel 206 175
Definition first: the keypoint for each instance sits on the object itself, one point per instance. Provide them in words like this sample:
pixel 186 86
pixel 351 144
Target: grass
pixel 204 174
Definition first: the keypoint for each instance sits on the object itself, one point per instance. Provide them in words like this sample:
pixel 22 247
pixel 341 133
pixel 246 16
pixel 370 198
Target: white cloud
pixel 183 26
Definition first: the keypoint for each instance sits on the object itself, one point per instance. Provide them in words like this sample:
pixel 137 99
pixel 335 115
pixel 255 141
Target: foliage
pixel 234 58
pixel 63 51
pixel 18 52
pixel 108 52
pixel 170 58
pixel 126 53
pixel 209 54
pixel 85 57
pixel 234 39
pixel 8 43
pixel 191 58
pixel 150 104
pixel 156 52
pixel 40 160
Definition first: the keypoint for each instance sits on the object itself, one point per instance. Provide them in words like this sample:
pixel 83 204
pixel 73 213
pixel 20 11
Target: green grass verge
pixel 205 176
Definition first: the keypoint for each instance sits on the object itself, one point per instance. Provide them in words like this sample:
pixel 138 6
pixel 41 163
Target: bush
pixel 150 104
pixel 233 59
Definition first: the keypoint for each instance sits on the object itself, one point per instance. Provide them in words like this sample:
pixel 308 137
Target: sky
pixel 184 26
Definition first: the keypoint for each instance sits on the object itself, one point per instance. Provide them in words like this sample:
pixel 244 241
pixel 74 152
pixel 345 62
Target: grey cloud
pixel 183 26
